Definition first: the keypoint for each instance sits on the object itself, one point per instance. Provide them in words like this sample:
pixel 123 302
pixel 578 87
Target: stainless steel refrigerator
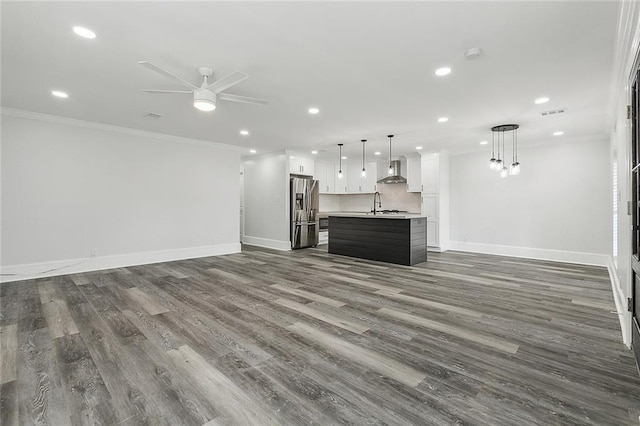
pixel 305 223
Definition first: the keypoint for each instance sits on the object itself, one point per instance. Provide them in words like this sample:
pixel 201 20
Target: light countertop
pixel 369 215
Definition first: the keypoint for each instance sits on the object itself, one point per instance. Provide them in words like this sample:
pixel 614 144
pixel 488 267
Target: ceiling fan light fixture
pixel 204 100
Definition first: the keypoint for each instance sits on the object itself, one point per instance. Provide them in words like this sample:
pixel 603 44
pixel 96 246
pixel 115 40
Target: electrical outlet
pixel 94 252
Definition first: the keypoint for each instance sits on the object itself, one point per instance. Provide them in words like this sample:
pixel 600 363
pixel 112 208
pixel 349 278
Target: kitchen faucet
pixel 374 202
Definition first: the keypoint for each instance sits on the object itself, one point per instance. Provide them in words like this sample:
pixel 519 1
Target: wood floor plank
pixel 364 283
pixel 89 400
pixel 490 341
pixel 431 304
pixel 309 295
pixel 8 353
pixel 383 365
pixel 145 301
pixel 58 319
pixel 9 404
pixel 330 319
pixel 41 396
pixel 226 395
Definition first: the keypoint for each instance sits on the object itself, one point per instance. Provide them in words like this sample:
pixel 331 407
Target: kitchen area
pixel 409 194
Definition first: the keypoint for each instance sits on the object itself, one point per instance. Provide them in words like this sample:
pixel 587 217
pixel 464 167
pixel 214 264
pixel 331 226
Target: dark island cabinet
pixel 387 239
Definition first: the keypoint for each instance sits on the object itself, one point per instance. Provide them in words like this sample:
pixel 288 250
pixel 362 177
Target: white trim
pixel 533 253
pixel 116 129
pixel 621 305
pixel 266 242
pixel 74 266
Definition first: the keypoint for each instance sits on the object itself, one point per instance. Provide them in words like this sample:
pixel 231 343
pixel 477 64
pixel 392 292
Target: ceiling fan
pixel 205 96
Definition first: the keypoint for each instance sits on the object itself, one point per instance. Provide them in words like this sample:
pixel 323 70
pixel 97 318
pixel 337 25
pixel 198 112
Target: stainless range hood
pixel 395 177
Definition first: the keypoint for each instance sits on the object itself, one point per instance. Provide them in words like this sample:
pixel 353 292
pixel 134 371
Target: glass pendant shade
pixel 340 174
pixel 514 169
pixel 498 166
pixel 504 172
pixel 492 164
pixel 364 173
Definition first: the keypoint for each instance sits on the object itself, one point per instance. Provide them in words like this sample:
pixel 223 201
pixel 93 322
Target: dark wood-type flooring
pixel 305 337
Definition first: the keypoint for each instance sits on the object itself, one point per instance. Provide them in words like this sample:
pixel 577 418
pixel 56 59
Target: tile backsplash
pixel 394 197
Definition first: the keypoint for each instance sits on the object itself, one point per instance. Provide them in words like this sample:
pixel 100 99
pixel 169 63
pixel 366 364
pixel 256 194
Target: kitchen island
pixel 400 239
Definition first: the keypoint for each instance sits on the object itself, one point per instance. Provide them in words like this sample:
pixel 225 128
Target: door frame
pixel 634 185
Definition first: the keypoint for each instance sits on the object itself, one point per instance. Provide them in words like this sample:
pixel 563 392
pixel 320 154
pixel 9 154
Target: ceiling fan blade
pixel 166 73
pixel 245 99
pixel 167 91
pixel 227 81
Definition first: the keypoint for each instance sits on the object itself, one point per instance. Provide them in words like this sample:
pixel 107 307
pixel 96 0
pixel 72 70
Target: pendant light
pixel 364 172
pixel 340 157
pixel 499 164
pixel 514 170
pixel 492 162
pixel 390 171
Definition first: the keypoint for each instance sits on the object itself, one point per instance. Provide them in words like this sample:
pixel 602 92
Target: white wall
pixel 69 187
pixel 266 201
pixel 561 201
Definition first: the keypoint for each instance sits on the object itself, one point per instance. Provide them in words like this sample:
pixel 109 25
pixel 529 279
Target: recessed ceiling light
pixel 483 142
pixel 244 132
pixel 376 153
pixel 418 147
pixel 443 71
pixel 313 110
pixel 59 94
pixel 558 133
pixel 314 152
pixel 84 32
pixel 253 151
pixel 443 120
pixel 542 100
pixel 344 158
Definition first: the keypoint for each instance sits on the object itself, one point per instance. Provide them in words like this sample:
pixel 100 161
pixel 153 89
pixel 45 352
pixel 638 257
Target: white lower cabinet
pixel 432 233
pixel 430 206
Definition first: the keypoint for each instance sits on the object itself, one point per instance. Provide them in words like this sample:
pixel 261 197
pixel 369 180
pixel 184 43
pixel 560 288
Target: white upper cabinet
pixel 325 173
pixel 356 184
pixel 368 184
pixel 430 172
pixel 414 176
pixel 299 165
pixel 353 180
pixel 341 183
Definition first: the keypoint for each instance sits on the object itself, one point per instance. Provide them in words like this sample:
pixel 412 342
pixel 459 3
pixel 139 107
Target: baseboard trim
pixel 594 259
pixel 620 300
pixel 267 243
pixel 74 266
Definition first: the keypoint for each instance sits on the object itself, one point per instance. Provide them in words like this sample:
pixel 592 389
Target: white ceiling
pixel 368 66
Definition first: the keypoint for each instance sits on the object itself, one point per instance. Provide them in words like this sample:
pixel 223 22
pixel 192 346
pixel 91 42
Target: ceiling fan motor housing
pixel 204 96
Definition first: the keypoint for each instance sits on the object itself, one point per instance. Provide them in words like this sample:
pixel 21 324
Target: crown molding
pixel 114 129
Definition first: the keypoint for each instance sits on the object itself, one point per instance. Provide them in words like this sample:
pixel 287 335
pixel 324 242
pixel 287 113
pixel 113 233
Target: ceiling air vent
pixel 152 116
pixel 553 112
